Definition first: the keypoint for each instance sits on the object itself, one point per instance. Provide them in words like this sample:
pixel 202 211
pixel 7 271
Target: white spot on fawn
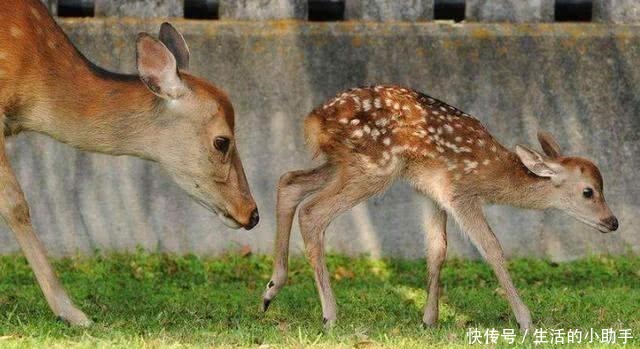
pixel 35 13
pixel 343 121
pixel 386 141
pixel 15 32
pixel 377 103
pixel 486 162
pixel 366 105
pixel 355 122
pixel 382 122
pixel 469 165
pixel 397 149
pixel 357 133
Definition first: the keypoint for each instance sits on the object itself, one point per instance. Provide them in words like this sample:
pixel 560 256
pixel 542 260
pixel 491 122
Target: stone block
pixel 139 8
pixel 516 11
pixel 616 11
pixel 263 9
pixel 383 10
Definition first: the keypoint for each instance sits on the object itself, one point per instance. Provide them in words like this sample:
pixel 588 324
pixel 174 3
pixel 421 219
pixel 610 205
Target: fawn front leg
pixel 436 254
pixel 471 219
pixel 15 211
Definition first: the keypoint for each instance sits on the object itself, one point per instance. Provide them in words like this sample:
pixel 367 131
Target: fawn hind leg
pixel 436 254
pixel 15 211
pixel 293 187
pixel 346 189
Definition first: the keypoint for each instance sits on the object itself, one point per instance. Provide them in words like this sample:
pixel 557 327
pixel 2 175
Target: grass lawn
pixel 154 300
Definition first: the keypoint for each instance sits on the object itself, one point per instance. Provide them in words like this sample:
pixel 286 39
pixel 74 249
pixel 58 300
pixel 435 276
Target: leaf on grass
pixel 364 344
pixel 245 251
pixel 343 273
pixel 283 326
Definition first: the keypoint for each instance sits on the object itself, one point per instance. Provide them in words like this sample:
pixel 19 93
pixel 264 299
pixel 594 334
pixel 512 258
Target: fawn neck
pixel 515 185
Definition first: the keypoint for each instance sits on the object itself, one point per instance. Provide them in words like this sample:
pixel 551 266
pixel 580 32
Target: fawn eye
pixel 222 144
pixel 587 193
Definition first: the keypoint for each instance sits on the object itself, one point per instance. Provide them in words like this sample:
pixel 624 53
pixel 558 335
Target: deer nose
pixel 253 221
pixel 611 223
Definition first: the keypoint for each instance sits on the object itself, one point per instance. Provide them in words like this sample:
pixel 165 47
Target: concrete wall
pixel 580 81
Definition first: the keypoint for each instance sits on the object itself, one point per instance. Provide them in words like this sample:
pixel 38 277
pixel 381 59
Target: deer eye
pixel 587 193
pixel 222 144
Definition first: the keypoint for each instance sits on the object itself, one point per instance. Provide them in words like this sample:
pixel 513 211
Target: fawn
pixel 375 135
pixel 163 114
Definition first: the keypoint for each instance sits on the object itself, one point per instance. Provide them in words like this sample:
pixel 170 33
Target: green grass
pixel 153 300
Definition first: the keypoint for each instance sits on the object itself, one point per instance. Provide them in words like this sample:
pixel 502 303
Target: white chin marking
pixel 229 222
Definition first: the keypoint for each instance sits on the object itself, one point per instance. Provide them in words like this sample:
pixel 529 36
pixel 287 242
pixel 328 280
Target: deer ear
pixel 157 68
pixel 175 42
pixel 535 162
pixel 549 145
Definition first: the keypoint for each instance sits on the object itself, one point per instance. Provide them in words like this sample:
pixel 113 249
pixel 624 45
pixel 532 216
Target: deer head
pixel 577 187
pixel 193 130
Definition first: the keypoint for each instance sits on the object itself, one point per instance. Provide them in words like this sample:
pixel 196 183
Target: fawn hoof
pixel 328 323
pixel 428 325
pixel 75 317
pixel 526 326
pixel 265 304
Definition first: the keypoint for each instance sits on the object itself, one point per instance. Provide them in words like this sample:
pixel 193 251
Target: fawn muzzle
pixel 611 223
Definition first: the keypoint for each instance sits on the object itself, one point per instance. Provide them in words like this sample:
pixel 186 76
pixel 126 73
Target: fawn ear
pixel 549 145
pixel 536 163
pixel 157 68
pixel 175 42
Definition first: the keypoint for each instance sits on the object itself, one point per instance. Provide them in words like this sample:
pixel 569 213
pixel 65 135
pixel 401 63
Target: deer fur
pixel 370 137
pixel 163 114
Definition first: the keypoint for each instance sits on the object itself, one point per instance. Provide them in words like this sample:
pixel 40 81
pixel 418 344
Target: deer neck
pixel 99 111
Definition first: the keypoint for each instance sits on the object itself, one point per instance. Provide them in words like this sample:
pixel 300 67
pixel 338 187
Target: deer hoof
pixel 265 304
pixel 75 317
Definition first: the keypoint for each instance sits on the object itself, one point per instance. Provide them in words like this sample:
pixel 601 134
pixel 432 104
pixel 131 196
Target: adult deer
pixel 373 136
pixel 163 114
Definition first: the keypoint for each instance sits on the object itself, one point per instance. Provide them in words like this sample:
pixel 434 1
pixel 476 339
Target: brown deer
pixel 164 114
pixel 375 135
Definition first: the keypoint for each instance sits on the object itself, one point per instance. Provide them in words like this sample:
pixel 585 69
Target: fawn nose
pixel 611 223
pixel 253 221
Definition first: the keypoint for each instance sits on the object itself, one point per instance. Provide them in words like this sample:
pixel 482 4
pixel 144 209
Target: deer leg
pixel 293 187
pixel 15 211
pixel 436 254
pixel 341 194
pixel 471 219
